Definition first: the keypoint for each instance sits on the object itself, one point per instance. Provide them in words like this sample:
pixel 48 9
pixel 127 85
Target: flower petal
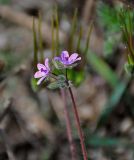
pixel 73 57
pixel 57 58
pixel 64 55
pixel 38 74
pixel 78 59
pixel 47 63
pixel 39 66
pixel 40 80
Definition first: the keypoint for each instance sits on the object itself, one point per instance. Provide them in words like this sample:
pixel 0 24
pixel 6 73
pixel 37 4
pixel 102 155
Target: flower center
pixel 43 70
pixel 66 58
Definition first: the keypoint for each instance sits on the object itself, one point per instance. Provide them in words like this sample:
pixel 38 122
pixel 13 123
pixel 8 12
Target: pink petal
pixel 38 74
pixel 77 59
pixel 73 57
pixel 40 80
pixel 39 66
pixel 47 63
pixel 64 55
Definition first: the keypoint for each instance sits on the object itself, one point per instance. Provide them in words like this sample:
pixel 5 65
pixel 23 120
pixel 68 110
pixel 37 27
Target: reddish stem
pixel 84 152
pixel 68 126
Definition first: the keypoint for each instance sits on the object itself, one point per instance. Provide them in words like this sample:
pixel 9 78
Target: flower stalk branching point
pixel 63 63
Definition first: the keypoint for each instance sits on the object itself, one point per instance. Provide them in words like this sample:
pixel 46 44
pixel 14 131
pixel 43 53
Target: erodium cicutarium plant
pixel 46 72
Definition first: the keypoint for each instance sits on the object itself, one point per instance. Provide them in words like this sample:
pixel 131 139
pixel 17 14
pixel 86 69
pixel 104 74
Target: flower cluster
pixel 64 59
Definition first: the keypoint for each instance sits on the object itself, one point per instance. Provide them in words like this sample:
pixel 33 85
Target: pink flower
pixel 43 71
pixel 66 59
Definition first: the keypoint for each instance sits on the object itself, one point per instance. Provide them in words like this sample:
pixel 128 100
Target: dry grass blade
pixel 26 21
pixel 40 37
pixel 35 46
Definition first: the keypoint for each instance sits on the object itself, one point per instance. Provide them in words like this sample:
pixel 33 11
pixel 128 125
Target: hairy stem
pixel 68 126
pixel 83 148
pixel 84 152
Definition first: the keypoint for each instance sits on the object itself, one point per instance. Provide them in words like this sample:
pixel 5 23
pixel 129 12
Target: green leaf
pixel 34 84
pixel 98 141
pixel 129 68
pixel 57 84
pixel 110 44
pixel 130 59
pixel 54 85
pixel 112 102
pixel 61 78
pixel 102 68
pixel 108 17
pixel 76 76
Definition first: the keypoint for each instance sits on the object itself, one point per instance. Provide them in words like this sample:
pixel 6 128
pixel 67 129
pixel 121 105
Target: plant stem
pixel 68 126
pixel 83 148
pixel 84 152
